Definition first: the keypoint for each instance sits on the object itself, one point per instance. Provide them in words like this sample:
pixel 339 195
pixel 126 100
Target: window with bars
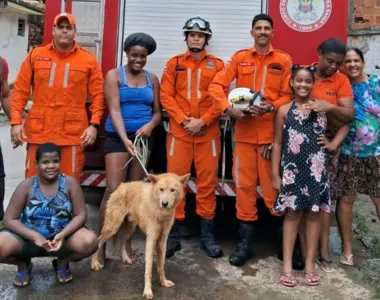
pixel 21 27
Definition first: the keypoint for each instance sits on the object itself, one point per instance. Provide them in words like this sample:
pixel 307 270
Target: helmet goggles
pixel 198 24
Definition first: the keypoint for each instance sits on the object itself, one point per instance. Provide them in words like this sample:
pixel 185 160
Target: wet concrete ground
pixel 195 275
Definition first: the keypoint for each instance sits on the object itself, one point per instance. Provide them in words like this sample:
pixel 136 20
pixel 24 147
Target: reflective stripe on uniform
pixel 236 171
pixel 188 83
pixel 172 146
pixel 213 148
pixel 52 74
pixel 66 75
pixel 263 81
pixel 198 83
pixel 74 158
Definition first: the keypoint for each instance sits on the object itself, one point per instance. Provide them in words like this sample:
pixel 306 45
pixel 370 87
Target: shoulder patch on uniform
pixel 282 52
pixel 41 45
pixel 243 50
pixel 210 64
pixel 88 51
pixel 177 56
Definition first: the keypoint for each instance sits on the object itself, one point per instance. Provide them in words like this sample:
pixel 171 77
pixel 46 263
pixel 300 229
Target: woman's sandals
pixel 288 279
pixel 347 260
pixel 311 278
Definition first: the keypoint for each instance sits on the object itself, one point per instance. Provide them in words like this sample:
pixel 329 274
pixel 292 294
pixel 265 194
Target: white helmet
pixel 242 98
pixel 197 24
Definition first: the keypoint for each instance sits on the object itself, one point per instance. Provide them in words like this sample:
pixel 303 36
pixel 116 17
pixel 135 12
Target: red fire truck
pixel 300 25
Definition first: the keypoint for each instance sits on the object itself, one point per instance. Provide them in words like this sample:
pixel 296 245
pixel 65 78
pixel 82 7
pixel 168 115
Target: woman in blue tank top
pixel 132 96
pixel 46 217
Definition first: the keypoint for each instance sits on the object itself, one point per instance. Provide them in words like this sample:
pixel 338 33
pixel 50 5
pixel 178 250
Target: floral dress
pixel 304 164
pixel 363 139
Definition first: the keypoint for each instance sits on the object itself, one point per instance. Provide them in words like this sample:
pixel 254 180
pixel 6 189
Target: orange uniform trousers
pixel 180 156
pixel 248 166
pixel 72 161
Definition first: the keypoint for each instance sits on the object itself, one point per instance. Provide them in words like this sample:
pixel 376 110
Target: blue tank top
pixel 48 216
pixel 135 104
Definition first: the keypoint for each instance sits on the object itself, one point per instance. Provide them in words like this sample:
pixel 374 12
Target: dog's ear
pixel 184 179
pixel 153 178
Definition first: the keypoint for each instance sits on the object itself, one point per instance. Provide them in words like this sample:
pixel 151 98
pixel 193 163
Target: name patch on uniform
pixel 246 64
pixel 275 66
pixel 210 65
pixel 44 58
pixel 180 68
pixel 330 93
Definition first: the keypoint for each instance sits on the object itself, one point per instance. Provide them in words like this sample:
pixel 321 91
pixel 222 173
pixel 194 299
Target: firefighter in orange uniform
pixel 194 129
pixel 265 70
pixel 62 75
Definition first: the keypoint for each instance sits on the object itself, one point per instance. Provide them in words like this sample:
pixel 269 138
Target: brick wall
pixel 364 31
pixel 366 15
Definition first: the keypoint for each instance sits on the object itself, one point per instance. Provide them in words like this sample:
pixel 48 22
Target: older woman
pixel 359 160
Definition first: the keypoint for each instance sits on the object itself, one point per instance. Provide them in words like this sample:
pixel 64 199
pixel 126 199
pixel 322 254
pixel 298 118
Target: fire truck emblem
pixel 305 15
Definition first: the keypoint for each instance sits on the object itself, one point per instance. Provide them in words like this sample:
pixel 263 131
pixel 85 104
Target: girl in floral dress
pixel 300 171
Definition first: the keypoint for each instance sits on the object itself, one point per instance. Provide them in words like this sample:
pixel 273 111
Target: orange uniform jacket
pixel 60 87
pixel 269 74
pixel 184 93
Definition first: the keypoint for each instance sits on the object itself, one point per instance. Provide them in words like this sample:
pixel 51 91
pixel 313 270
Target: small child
pixel 300 172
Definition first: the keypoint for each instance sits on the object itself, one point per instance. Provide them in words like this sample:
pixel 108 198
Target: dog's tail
pixel 114 217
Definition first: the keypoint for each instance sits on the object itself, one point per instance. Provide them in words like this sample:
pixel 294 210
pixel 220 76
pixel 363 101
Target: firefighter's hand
pixel 89 136
pixel 194 126
pixel 276 182
pixel 235 114
pixel 17 135
pixel 202 132
pixel 266 151
pixel 318 105
pixel 145 131
pixel 259 110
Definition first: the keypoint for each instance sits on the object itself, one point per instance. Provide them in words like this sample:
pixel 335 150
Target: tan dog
pixel 152 207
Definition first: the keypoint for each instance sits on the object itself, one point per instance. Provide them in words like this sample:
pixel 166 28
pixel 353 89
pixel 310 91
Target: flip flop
pixel 347 260
pixel 22 275
pixel 288 279
pixel 322 261
pixel 311 278
pixel 61 271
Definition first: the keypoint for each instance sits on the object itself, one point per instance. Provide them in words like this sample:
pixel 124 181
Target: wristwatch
pixel 95 125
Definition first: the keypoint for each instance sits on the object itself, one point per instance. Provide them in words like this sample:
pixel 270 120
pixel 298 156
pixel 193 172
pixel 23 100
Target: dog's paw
pixel 95 264
pixel 167 283
pixel 126 260
pixel 148 294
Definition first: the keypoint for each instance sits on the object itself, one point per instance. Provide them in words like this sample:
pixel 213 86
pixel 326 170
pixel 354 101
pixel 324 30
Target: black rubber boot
pixel 297 260
pixel 208 243
pixel 244 250
pixel 174 243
